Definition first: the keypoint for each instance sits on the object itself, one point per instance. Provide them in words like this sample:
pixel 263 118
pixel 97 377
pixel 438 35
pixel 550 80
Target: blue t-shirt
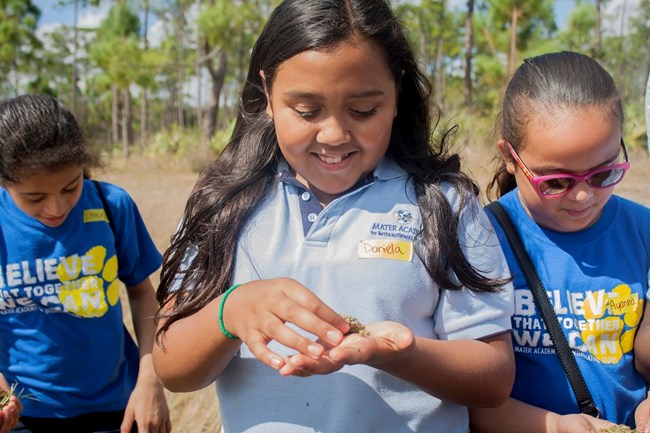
pixel 62 337
pixel 597 280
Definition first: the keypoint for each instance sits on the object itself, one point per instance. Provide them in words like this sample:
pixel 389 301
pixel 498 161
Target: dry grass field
pixel 160 188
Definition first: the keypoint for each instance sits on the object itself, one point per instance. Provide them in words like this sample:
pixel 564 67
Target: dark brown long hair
pixel 231 186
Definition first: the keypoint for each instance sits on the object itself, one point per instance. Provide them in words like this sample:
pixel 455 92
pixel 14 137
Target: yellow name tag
pixel 94 215
pixel 623 304
pixel 385 249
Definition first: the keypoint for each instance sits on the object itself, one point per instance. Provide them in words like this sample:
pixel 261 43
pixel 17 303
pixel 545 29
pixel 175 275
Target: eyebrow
pixel 316 96
pixel 28 194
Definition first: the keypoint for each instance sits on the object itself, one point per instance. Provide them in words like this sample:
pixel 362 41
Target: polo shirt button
pixel 305 196
pixel 312 217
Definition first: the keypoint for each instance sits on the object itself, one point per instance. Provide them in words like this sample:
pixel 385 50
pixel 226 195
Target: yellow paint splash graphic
pixel 606 338
pixel 84 294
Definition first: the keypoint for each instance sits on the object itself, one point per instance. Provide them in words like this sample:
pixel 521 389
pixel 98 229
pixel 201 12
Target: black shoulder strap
pixel 567 359
pixel 107 209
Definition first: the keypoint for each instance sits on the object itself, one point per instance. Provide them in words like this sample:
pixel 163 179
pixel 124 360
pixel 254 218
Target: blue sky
pixel 52 14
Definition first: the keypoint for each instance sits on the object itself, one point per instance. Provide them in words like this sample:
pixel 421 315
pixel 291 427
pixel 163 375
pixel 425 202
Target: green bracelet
pixel 223 301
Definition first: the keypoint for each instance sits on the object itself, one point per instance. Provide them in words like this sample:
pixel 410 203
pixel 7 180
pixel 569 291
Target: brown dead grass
pixel 161 187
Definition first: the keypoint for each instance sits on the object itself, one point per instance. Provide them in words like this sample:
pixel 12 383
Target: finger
pixel 257 344
pixel 18 403
pixel 127 423
pixel 11 416
pixel 349 354
pixel 313 315
pixel 290 370
pixel 308 366
pixel 275 328
pixel 289 337
pixel 311 322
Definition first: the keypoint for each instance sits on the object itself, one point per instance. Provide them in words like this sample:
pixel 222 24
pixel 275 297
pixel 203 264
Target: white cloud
pixel 93 17
pixel 156 33
pixel 44 29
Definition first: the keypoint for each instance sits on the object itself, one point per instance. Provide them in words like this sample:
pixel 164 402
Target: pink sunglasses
pixel 555 185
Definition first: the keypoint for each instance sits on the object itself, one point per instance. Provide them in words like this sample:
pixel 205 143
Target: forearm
pixel 143 305
pixel 193 352
pixel 642 346
pixel 467 372
pixel 513 416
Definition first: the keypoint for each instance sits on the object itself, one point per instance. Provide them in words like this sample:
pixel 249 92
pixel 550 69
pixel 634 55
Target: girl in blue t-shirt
pixel 66 243
pixel 331 200
pixel 562 153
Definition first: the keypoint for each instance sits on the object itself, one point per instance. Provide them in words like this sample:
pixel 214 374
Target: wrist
pixel 222 304
pixel 553 422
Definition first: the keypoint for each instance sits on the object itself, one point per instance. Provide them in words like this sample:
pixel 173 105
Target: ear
pixel 269 109
pixel 505 154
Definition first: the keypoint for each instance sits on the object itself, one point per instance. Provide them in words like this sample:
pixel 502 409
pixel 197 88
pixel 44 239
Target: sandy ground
pixel 160 188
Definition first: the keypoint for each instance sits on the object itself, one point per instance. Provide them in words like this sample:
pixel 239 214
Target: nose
pixel 333 131
pixel 55 206
pixel 582 191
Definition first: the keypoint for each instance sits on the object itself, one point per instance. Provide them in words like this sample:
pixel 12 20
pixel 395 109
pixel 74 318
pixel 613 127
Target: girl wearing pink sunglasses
pixel 561 154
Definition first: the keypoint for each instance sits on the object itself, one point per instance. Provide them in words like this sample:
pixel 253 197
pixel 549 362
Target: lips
pixel 53 221
pixel 578 213
pixel 333 159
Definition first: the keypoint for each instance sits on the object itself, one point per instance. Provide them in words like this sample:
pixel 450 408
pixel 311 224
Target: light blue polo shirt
pixel 358 254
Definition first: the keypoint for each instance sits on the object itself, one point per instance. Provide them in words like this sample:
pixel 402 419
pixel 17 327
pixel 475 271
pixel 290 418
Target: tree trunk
pixel 440 57
pixel 181 71
pixel 144 106
pixel 127 117
pixel 199 102
pixel 115 113
pixel 598 45
pixel 144 112
pixel 218 78
pixel 469 45
pixel 75 77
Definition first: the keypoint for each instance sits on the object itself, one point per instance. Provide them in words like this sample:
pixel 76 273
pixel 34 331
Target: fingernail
pixel 333 336
pixel 314 349
pixel 276 362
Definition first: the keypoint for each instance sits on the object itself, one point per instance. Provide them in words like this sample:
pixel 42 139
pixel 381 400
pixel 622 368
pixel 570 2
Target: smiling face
pixel 569 142
pixel 333 112
pixel 49 197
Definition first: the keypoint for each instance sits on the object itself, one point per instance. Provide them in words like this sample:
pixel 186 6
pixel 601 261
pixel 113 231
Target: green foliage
pixel 635 127
pixel 114 54
pixel 116 49
pixel 490 78
pixel 580 28
pixel 175 141
pixel 18 42
pixel 222 137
